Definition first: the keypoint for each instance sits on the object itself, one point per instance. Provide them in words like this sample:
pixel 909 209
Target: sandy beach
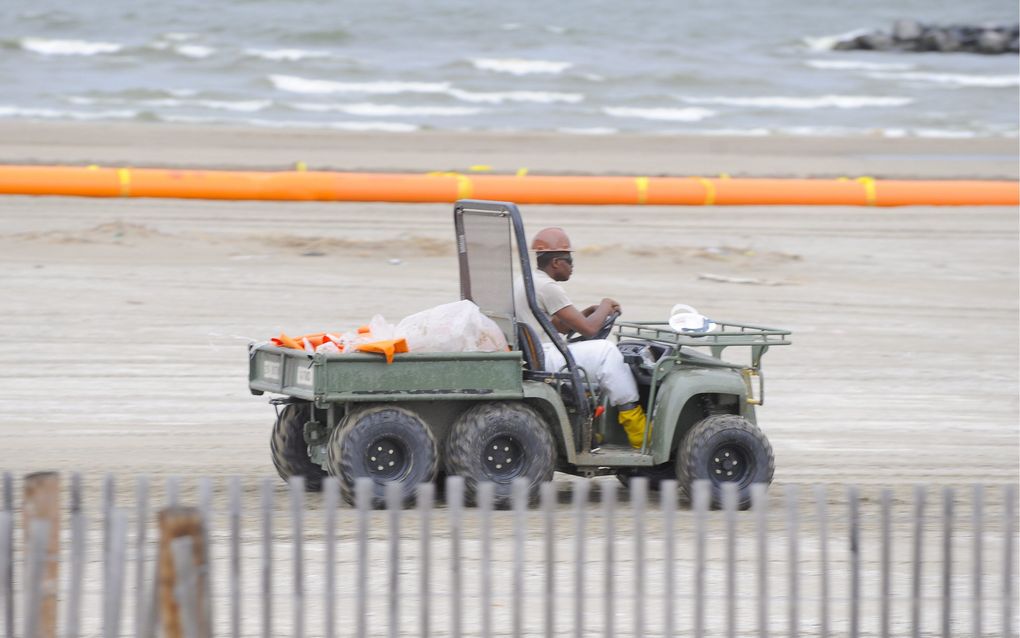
pixel 127 320
pixel 132 315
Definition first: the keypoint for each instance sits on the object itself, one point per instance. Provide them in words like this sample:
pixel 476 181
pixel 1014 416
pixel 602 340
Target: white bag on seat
pixel 454 327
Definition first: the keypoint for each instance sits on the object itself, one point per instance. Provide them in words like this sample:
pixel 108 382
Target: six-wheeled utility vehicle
pixel 497 416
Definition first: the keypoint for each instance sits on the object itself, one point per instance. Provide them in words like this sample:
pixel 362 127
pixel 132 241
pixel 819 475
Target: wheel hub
pixel 387 458
pixel 729 463
pixel 502 457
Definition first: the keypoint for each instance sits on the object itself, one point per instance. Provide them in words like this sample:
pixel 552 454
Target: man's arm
pixel 569 318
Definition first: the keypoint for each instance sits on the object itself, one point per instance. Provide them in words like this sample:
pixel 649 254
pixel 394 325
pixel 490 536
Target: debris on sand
pixel 753 281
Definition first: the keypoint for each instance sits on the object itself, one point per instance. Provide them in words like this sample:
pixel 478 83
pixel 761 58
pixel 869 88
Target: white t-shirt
pixel 550 296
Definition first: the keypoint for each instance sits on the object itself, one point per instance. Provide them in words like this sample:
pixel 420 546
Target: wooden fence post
pixel 179 522
pixel 42 502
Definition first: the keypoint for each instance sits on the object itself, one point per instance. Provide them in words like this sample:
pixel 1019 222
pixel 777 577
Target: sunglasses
pixel 569 260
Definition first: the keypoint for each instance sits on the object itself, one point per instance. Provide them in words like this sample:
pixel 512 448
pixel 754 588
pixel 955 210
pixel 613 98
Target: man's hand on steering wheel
pixel 594 322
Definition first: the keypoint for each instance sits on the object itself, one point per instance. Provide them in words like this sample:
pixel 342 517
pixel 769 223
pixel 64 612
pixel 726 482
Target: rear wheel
pixel 387 445
pixel 289 450
pixel 721 449
pixel 498 442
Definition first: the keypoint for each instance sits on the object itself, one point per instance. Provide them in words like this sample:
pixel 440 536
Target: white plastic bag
pixel 454 327
pixel 684 318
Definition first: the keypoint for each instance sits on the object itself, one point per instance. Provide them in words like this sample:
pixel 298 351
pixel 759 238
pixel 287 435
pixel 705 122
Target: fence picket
pixel 185 587
pixel 918 555
pixel 173 491
pixel 205 495
pixel 638 501
pixel 7 560
pixel 72 617
pixel 977 559
pixel 548 495
pixel 760 505
pixel 426 494
pixel 395 507
pixel 235 556
pixel 297 517
pixel 484 505
pixel 701 497
pixel 455 512
pixel 141 533
pixel 729 503
pixel 608 495
pixel 362 501
pixel 580 489
pixel 792 505
pixel 885 561
pixel 1009 531
pixel 948 496
pixel 520 504
pixel 854 533
pixel 668 495
pixel 266 570
pixel 330 503
pixel 117 567
pixel 38 532
pixel 822 516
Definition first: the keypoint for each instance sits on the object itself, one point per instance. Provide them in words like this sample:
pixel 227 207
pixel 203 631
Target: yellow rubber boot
pixel 633 422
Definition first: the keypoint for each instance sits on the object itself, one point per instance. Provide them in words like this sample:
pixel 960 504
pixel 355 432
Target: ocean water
pixel 711 67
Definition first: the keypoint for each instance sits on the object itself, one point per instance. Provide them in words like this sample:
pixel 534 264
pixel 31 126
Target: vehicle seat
pixel 531 348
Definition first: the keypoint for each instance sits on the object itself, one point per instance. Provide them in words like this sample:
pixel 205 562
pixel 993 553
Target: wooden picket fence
pixel 573 566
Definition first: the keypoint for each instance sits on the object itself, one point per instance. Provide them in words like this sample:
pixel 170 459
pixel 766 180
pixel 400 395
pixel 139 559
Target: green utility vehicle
pixel 496 416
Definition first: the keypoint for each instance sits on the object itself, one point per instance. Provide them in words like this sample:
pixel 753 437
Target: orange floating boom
pixel 94 181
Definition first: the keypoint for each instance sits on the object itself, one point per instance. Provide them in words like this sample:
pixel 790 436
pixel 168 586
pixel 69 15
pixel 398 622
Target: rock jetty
pixel 910 35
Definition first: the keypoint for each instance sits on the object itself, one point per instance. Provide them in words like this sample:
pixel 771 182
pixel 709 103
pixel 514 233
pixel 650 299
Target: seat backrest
pixel 531 347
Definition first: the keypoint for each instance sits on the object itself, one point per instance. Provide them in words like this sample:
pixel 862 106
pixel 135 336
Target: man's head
pixel 554 253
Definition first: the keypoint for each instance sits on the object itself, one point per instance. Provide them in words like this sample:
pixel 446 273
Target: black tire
pixel 725 448
pixel 655 474
pixel 511 428
pixel 356 449
pixel 289 450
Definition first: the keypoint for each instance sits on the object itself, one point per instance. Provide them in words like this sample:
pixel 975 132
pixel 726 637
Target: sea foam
pixel 286 55
pixel 68 47
pixel 952 79
pixel 295 84
pixel 789 102
pixel 368 109
pixel 518 66
pixel 537 97
pixel 661 114
pixel 858 65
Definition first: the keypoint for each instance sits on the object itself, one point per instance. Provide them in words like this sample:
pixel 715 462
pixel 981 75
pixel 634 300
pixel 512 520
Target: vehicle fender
pixel 544 398
pixel 679 389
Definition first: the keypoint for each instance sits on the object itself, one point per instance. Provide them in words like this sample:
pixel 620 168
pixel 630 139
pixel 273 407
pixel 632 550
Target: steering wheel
pixel 607 327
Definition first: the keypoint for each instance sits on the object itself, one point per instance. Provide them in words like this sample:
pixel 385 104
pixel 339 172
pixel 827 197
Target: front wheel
pixel 497 442
pixel 725 448
pixel 387 445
